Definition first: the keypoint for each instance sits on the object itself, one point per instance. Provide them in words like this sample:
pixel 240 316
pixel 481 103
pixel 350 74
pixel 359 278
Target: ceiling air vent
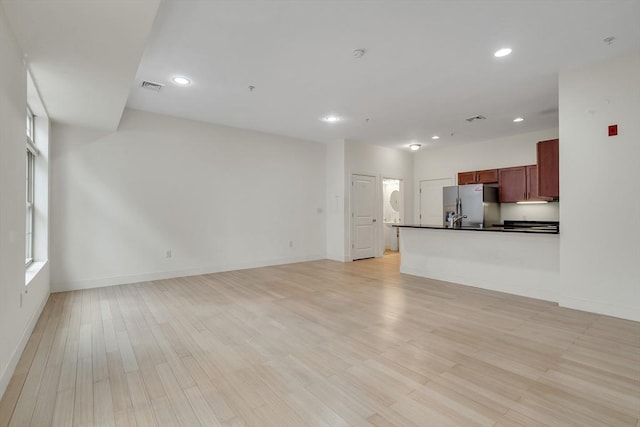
pixel 151 86
pixel 478 117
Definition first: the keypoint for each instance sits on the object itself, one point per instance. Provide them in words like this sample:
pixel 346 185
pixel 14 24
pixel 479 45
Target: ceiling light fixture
pixel 478 117
pixel 502 52
pixel 518 119
pixel 435 137
pixel 331 119
pixel 415 147
pixel 182 81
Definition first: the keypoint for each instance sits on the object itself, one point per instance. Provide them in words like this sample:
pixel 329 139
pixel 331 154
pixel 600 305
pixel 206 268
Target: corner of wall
pixel 599 175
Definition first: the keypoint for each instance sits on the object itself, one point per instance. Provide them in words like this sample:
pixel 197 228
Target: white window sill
pixel 32 271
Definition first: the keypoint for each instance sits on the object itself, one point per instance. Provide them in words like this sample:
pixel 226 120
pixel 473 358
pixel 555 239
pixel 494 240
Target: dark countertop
pixel 530 227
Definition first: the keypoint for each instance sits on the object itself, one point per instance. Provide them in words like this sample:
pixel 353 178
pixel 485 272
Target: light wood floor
pixel 321 343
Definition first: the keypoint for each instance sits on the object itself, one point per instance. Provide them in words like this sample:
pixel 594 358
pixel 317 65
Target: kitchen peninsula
pixel 521 261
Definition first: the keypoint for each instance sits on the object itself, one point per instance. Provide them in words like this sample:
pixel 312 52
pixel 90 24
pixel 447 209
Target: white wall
pixel 17 318
pixel 381 162
pixel 220 198
pixel 542 212
pixel 517 263
pixel 517 150
pixel 599 176
pixel 336 245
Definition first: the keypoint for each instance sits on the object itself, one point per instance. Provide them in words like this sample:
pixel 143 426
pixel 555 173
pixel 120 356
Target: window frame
pixel 31 154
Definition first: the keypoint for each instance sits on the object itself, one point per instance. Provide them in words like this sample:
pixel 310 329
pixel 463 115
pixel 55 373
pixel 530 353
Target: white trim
pixel 17 353
pixel 32 270
pixel 145 277
pixel 32 147
pixel 339 258
pixel 608 309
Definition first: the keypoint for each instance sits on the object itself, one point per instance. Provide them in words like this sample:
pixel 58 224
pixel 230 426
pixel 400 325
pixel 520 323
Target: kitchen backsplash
pixel 542 212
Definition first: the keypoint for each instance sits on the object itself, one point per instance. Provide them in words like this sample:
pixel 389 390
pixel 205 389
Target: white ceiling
pixel 428 65
pixel 82 54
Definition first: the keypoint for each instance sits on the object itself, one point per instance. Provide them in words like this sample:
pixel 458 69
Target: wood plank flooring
pixel 321 344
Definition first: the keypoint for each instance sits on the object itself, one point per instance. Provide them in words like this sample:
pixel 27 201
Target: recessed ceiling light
pixel 182 81
pixel 518 119
pixel 331 119
pixel 435 137
pixel 502 52
pixel 415 147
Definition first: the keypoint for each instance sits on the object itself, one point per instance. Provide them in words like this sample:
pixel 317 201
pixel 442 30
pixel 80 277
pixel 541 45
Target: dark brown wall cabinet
pixel 466 178
pixel 548 168
pixel 489 176
pixel 512 184
pixel 519 184
pixel 532 182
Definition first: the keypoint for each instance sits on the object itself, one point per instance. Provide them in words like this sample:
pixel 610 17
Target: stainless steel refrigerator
pixel 473 205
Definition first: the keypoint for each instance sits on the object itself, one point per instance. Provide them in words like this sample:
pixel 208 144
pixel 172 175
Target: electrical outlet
pixel 169 254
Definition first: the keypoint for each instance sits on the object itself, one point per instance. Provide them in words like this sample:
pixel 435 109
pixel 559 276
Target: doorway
pixel 431 200
pixel 363 216
pixel 392 211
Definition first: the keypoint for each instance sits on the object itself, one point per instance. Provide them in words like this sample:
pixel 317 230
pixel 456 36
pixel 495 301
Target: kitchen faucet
pixel 455 219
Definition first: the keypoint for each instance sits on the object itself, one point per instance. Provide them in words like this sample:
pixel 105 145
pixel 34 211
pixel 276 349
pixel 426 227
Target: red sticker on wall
pixel 613 130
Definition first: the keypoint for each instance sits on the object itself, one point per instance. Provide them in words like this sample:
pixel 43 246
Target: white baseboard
pixel 17 353
pixel 513 289
pixel 608 309
pixel 339 258
pixel 146 277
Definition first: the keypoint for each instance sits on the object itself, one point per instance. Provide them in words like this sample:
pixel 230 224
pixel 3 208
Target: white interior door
pixel 431 200
pixel 363 216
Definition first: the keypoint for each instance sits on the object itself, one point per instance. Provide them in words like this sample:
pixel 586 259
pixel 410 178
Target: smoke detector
pixel 478 117
pixel 151 86
pixel 358 53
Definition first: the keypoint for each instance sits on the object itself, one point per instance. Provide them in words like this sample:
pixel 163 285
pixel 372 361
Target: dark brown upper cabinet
pixel 532 182
pixel 489 176
pixel 512 184
pixel 548 168
pixel 519 184
pixel 466 178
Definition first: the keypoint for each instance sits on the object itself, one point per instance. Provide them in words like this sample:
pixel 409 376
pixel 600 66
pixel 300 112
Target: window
pixel 32 152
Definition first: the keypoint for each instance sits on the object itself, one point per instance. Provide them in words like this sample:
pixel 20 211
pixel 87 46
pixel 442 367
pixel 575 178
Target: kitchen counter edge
pixel 489 229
